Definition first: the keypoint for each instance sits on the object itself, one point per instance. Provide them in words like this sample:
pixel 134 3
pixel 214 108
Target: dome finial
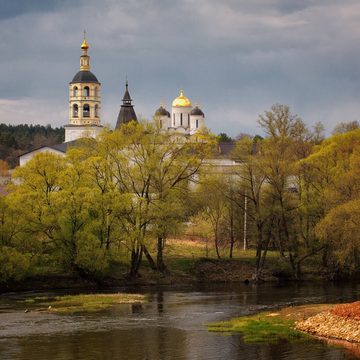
pixel 84 45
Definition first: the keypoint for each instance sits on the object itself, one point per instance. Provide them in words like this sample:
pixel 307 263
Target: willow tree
pixel 154 168
pixel 334 170
pixel 56 201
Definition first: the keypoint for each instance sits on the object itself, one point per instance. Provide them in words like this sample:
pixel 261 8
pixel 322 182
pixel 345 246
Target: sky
pixel 236 58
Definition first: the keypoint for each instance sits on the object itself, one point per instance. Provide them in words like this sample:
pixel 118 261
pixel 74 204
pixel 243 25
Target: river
pixel 170 326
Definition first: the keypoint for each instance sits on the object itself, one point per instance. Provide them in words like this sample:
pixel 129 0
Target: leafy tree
pixel 340 230
pixel 155 168
pixel 333 171
pixel 252 186
pixel 13 265
pixel 213 203
pixel 222 137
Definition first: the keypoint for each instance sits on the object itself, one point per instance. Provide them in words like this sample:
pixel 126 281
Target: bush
pixel 282 269
pixel 14 265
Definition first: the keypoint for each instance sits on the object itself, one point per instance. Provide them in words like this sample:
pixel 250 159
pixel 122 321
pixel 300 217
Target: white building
pixel 184 118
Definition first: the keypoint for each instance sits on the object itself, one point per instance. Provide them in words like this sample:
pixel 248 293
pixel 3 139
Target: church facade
pixel 184 118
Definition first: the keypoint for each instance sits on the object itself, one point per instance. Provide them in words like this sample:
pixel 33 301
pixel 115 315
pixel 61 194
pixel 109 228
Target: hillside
pixel 17 139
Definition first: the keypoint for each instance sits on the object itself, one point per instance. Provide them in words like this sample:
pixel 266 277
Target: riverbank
pixel 270 326
pixel 188 262
pixel 340 322
pixel 338 325
pixel 179 273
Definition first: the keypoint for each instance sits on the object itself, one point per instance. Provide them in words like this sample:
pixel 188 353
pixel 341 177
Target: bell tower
pixel 84 101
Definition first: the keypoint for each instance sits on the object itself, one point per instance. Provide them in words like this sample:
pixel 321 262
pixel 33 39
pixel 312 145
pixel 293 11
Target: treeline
pixel 17 139
pixel 117 199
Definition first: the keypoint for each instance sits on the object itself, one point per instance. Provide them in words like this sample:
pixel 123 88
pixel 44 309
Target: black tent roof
pixel 127 112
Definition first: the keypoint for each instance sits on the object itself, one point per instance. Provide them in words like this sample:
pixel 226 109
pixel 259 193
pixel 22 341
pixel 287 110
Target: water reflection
pixel 169 326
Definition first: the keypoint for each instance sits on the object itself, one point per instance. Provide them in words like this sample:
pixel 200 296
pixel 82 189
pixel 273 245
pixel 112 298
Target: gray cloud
pixel 236 58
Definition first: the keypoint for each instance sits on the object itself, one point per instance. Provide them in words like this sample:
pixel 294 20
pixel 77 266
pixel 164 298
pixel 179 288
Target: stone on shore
pixel 332 326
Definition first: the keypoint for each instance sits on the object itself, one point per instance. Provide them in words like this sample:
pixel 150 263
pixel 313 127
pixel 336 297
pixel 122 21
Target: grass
pixel 180 255
pixel 85 303
pixel 260 328
pixel 269 327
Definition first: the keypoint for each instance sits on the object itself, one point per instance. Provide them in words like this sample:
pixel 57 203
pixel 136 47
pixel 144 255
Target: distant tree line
pixel 17 139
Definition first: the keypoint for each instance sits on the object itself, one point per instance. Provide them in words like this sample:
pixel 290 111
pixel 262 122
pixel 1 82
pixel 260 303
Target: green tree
pixel 333 171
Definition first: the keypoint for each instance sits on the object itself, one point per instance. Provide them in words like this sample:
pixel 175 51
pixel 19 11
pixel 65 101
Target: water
pixel 170 326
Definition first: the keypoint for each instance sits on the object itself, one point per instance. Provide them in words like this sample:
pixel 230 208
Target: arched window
pixel 173 119
pixel 86 91
pixel 96 110
pixel 161 123
pixel 75 91
pixel 181 119
pixel 75 110
pixel 86 110
pixel 197 123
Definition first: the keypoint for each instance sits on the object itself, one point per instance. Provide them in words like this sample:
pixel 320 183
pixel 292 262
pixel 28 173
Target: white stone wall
pixel 77 132
pixel 200 122
pixel 164 121
pixel 176 113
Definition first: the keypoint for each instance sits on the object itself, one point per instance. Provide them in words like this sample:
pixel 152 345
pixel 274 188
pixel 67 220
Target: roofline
pixel 41 147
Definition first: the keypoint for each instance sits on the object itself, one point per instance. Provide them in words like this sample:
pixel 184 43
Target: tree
pixel 333 171
pixel 340 229
pixel 213 204
pixel 56 200
pixel 222 137
pixel 287 143
pixel 344 127
pixel 252 186
pixel 154 169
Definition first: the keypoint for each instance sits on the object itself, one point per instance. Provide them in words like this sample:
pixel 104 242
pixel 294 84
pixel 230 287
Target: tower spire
pixel 127 112
pixel 84 58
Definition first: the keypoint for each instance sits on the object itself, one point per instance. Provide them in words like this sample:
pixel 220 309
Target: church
pixel 85 111
pixel 85 105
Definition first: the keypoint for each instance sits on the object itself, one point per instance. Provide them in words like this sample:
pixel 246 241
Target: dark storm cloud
pixel 236 58
pixel 11 8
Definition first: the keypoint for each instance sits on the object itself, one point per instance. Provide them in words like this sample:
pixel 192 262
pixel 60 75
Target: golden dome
pixel 181 100
pixel 84 45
